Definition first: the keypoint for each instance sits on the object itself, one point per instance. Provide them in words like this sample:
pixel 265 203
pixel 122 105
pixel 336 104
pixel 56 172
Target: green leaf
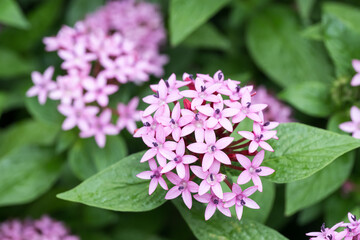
pixel 46 113
pixel 276 45
pixel 66 139
pixel 11 14
pixel 313 32
pixel 86 158
pixel 78 9
pixel 186 16
pixel 220 227
pixel 306 192
pixel 342 42
pixel 207 36
pixel 26 132
pixel 12 64
pixel 117 188
pixel 40 19
pixel 26 173
pixel 309 214
pixel 312 98
pixel 302 151
pixel 305 7
pixel 348 14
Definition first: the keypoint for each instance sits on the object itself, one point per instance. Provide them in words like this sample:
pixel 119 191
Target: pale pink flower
pixel 218 115
pixel 211 179
pixel 68 89
pixel 197 124
pixel 100 127
pixel 327 233
pixel 98 90
pixel 155 175
pixel 160 99
pixel 247 109
pixel 202 93
pixel 159 147
pixel 212 149
pixel 43 85
pixel 77 114
pixel 352 126
pixel 253 170
pixel 213 203
pixel 173 125
pixel 179 160
pixel 258 138
pixel 233 90
pixel 182 186
pixel 172 84
pixel 76 57
pixel 355 81
pixel 128 115
pixel 151 125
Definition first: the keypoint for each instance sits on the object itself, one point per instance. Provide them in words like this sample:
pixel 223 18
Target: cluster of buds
pixel 44 228
pixel 119 43
pixel 353 126
pixel 351 231
pixel 189 133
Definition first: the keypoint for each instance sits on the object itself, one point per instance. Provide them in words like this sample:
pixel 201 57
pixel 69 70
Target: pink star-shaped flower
pixel 240 199
pixel 352 126
pixel 253 170
pixel 77 57
pixel 98 90
pixel 327 233
pixel 100 127
pixel 202 93
pixel 258 138
pixel 182 186
pixel 173 125
pixel 213 203
pixel 355 81
pixel 151 125
pixel 160 99
pixel 128 115
pixel 77 114
pixel 172 84
pixel 155 175
pixel 211 179
pixel 197 124
pixel 43 84
pixel 159 147
pixel 68 89
pixel 179 160
pixel 247 109
pixel 218 115
pixel 212 149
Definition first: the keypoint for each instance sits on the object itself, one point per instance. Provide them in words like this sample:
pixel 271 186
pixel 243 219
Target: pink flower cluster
pixel 353 126
pixel 351 231
pixel 190 140
pixel 119 43
pixel 44 228
pixel 277 111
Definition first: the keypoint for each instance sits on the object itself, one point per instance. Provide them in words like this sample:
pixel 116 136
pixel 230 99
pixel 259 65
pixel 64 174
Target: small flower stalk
pixel 351 231
pixel 193 130
pixel 118 44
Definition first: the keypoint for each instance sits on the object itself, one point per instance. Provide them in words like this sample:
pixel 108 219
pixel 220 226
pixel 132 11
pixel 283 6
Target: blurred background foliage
pixel 299 49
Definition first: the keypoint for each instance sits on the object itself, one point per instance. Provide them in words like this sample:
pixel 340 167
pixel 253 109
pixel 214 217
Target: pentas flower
pixel 192 133
pixel 155 175
pixel 117 44
pixel 44 228
pixel 352 126
pixel 355 81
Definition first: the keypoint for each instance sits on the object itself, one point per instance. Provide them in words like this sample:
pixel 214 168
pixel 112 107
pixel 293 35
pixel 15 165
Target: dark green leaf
pixel 11 14
pixel 276 45
pixel 26 173
pixel 26 132
pixel 302 151
pixel 86 158
pixel 312 98
pixel 78 9
pixel 66 139
pixel 207 36
pixel 309 214
pixel 306 192
pixel 117 188
pixel 47 113
pixel 12 64
pixel 313 32
pixel 40 19
pixel 305 7
pixel 222 227
pixel 187 16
